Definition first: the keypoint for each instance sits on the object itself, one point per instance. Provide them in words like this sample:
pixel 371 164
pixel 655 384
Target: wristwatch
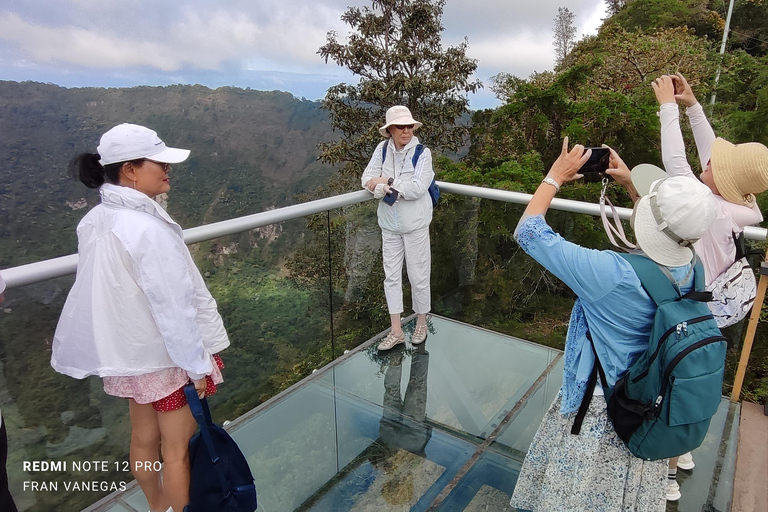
pixel 551 181
pixel 390 181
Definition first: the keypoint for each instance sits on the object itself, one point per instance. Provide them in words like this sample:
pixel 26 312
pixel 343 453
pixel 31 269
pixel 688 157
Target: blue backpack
pixel 220 479
pixel 433 190
pixel 661 407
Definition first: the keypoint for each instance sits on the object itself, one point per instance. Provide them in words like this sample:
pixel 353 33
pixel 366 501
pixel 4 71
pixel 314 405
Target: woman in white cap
pixel 139 314
pixel 399 174
pixel 594 470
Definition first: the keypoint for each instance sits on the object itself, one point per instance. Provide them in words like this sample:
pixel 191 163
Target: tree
pixel 395 48
pixel 565 34
pixel 614 6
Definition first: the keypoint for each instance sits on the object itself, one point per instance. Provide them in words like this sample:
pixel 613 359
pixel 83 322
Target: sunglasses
pixel 403 126
pixel 166 167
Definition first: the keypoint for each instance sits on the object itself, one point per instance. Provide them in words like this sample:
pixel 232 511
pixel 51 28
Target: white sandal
pixel 419 335
pixel 391 340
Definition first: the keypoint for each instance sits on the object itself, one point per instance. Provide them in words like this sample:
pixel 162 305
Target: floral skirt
pixel 593 471
pixel 164 389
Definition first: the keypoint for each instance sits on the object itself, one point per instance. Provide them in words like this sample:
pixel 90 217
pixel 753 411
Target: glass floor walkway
pixel 444 426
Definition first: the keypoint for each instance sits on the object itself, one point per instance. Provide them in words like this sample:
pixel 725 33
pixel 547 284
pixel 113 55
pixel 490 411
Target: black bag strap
pixel 590 391
pixel 202 415
pixel 738 241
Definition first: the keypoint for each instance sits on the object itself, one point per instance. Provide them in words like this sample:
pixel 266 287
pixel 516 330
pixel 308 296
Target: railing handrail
pixel 57 267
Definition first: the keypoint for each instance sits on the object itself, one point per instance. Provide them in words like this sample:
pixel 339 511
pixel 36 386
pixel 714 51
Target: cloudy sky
pixel 262 44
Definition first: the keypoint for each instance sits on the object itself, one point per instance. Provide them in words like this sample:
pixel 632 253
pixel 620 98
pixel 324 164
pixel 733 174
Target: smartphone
pixel 391 197
pixel 598 161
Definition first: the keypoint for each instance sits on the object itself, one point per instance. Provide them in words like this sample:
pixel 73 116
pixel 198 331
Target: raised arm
pixel 672 144
pixel 702 130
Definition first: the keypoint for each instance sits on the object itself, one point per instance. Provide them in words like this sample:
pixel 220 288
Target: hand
pixel 664 89
pixel 618 169
pixel 566 167
pixel 371 185
pixel 200 387
pixel 686 96
pixel 621 173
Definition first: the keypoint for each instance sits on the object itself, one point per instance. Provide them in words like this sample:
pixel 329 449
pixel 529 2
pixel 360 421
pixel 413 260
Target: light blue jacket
pixel 611 301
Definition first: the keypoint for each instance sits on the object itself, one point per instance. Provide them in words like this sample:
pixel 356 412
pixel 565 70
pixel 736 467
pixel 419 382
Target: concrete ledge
pixel 750 485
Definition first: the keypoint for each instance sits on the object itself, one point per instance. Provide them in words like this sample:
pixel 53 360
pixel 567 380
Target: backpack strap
pixel 417 154
pixel 590 391
pixel 384 151
pixel 660 285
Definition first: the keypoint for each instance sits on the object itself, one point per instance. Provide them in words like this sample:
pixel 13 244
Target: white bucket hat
pixel 398 115
pixel 671 218
pixel 127 142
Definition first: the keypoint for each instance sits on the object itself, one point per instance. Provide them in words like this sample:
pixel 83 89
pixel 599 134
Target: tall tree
pixel 395 48
pixel 614 6
pixel 565 34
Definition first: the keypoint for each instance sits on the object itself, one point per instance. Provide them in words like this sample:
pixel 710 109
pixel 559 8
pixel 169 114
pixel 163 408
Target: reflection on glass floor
pixel 442 426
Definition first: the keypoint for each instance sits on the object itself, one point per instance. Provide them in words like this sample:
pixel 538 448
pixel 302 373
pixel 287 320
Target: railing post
pixel 749 338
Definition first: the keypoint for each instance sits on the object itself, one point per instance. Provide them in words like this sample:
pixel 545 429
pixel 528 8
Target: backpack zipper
pixel 673 363
pixel 679 330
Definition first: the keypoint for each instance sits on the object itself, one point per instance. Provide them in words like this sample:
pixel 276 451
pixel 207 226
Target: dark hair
pixel 87 168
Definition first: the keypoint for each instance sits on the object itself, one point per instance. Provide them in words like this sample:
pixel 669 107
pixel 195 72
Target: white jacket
pixel 139 303
pixel 413 208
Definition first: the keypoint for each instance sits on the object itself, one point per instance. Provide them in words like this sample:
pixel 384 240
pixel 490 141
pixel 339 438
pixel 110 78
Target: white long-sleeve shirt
pixel 139 303
pixel 716 247
pixel 413 208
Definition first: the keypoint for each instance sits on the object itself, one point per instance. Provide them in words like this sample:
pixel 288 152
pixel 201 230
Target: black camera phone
pixel 391 197
pixel 598 161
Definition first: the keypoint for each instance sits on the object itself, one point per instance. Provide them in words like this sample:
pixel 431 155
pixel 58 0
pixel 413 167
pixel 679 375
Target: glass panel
pixel 276 310
pixel 474 376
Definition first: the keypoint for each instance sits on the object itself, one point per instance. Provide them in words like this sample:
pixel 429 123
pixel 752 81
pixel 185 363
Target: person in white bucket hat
pixel 139 314
pixel 594 471
pixel 399 175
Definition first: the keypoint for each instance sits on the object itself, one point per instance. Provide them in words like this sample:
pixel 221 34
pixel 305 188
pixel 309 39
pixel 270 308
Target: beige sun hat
pixel 398 115
pixel 740 170
pixel 671 218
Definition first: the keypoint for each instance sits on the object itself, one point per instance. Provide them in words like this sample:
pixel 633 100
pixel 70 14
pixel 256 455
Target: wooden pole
pixel 749 338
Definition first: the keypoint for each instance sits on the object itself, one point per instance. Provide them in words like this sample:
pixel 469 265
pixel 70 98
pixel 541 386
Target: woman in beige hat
pixel 594 471
pixel 734 172
pixel 399 174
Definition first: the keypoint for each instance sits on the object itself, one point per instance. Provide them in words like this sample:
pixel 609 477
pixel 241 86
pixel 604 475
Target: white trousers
pixel 413 248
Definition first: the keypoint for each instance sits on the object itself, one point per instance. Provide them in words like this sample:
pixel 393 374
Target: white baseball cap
pixel 127 142
pixel 671 218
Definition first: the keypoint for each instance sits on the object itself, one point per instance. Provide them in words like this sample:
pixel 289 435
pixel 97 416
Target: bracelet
pixel 551 181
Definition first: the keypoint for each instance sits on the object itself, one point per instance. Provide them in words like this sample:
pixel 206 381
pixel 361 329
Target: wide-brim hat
pixel 671 218
pixel 399 115
pixel 126 142
pixel 643 176
pixel 739 170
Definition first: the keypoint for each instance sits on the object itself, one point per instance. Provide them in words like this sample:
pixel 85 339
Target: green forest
pixel 295 295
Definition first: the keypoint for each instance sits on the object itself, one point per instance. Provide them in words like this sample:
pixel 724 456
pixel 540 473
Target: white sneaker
pixel 391 340
pixel 685 461
pixel 419 334
pixel 673 491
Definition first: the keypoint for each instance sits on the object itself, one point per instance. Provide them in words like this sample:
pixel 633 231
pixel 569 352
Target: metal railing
pixel 57 267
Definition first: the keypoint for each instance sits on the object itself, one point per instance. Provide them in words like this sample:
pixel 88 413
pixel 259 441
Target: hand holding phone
pixel 391 197
pixel 598 161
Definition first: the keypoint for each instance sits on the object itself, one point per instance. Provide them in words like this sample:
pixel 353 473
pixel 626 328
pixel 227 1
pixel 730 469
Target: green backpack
pixel 661 407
